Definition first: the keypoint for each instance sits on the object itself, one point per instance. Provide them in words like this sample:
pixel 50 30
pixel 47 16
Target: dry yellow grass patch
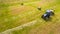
pixel 18 9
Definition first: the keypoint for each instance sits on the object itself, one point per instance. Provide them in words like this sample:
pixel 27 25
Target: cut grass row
pixel 14 2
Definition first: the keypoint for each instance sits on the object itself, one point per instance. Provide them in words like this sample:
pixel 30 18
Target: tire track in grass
pixel 9 31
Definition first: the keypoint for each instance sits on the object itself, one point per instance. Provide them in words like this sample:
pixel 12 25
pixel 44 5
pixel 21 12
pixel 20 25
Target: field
pixel 26 19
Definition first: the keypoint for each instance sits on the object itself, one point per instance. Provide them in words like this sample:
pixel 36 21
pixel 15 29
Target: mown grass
pixel 38 28
pixel 15 2
pixel 9 21
pixel 27 16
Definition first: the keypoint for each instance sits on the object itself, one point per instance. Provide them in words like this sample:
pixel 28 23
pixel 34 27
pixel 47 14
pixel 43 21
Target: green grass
pixel 15 2
pixel 54 20
pixel 35 14
pixel 8 22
